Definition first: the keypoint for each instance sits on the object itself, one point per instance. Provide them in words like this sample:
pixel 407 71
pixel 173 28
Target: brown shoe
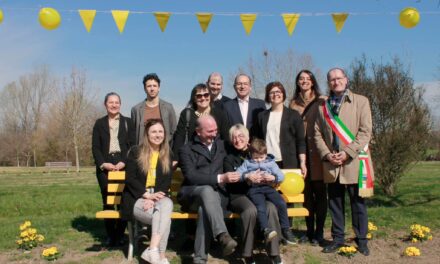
pixel 228 243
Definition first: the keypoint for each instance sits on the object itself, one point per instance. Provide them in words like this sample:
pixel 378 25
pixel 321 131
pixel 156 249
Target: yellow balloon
pixel 293 184
pixel 409 17
pixel 49 18
pixel 1 16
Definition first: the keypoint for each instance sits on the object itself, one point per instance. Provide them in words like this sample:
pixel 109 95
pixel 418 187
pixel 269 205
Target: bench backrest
pixel 116 186
pixel 62 164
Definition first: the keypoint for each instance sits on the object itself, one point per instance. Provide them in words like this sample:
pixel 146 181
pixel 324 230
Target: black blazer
pixel 292 138
pixel 231 162
pixel 101 139
pixel 199 167
pixel 135 180
pixel 234 115
pixel 181 131
pixel 220 103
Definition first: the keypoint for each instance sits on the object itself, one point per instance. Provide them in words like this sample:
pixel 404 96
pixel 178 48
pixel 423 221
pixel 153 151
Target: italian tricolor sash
pixel 366 188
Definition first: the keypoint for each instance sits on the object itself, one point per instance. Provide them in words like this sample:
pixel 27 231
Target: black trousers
pixel 115 228
pixel 315 201
pixel 359 217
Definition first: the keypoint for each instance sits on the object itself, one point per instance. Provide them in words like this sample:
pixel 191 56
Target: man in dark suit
pixel 202 167
pixel 215 85
pixel 243 109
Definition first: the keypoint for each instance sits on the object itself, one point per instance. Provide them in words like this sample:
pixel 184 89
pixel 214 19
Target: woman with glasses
pixel 199 104
pixel 282 129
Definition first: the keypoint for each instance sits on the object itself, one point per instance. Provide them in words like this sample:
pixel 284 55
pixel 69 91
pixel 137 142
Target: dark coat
pixel 231 163
pixel 292 139
pixel 220 103
pixel 199 167
pixel 182 134
pixel 234 115
pixel 135 181
pixel 101 139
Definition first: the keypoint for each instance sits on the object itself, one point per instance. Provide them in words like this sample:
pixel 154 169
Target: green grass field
pixel 62 206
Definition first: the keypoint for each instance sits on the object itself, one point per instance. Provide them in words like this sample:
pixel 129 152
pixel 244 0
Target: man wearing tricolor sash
pixel 342 134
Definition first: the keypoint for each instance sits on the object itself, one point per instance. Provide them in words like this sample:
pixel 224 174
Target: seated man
pixel 202 166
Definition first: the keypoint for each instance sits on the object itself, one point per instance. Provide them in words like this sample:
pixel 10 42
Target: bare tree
pixel 24 103
pixel 401 119
pixel 77 112
pixel 276 66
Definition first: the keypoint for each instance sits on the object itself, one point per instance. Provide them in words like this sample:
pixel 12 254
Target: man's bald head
pixel 206 129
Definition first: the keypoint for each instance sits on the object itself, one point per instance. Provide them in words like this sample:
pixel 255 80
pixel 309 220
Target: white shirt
pixel 244 107
pixel 273 135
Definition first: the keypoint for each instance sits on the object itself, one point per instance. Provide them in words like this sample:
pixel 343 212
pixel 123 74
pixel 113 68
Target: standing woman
pixel 199 104
pixel 282 129
pixel 306 101
pixel 112 138
pixel 146 194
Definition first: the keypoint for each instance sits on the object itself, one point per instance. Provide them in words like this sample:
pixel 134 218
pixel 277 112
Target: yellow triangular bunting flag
pixel 1 16
pixel 204 20
pixel 248 22
pixel 162 19
pixel 87 16
pixel 120 17
pixel 290 21
pixel 339 20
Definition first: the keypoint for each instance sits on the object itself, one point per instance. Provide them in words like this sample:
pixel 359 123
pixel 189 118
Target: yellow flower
pixel 414 240
pixel 371 227
pixel 369 236
pixel 19 242
pixel 430 237
pixel 27 223
pixel 412 251
pixel 26 239
pixel 40 238
pixel 24 234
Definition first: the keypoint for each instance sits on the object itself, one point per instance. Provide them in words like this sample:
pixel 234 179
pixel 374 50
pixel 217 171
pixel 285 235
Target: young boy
pixel 269 173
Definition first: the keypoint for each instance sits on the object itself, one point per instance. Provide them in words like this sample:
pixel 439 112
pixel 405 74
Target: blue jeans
pixel 258 195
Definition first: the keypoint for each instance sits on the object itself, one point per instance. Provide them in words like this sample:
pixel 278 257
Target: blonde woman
pixel 146 196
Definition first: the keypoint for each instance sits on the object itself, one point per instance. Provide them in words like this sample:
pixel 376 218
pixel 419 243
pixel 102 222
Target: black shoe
pixel 289 237
pixel 228 243
pixel 364 250
pixel 333 247
pixel 269 234
pixel 303 240
pixel 314 242
pixel 249 260
pixel 276 260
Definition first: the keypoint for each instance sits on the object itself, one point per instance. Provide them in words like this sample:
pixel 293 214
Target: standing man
pixel 342 133
pixel 153 108
pixel 243 109
pixel 202 167
pixel 215 85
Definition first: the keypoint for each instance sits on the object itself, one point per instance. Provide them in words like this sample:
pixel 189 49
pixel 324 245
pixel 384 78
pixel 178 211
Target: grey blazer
pixel 167 114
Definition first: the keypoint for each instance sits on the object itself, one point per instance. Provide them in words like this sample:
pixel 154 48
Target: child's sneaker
pixel 288 236
pixel 151 255
pixel 269 234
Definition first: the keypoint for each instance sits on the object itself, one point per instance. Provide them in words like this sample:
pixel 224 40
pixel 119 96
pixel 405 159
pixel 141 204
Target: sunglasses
pixel 199 96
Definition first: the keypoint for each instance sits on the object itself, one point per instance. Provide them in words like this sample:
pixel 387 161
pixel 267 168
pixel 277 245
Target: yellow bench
pixel 116 186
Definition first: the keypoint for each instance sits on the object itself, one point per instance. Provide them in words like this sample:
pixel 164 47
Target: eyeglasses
pixel 277 92
pixel 200 96
pixel 336 79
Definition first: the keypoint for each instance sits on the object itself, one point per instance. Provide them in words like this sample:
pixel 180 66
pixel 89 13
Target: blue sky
pixel 183 56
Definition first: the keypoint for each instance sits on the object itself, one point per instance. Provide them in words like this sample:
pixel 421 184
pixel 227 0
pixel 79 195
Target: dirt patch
pixel 383 250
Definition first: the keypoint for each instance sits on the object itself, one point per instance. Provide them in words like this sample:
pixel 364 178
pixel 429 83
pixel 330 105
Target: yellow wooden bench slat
pixel 116 175
pixel 113 214
pixel 113 199
pixel 295 212
pixel 115 187
pixel 299 198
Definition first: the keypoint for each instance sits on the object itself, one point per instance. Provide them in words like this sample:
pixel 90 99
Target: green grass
pixel 62 207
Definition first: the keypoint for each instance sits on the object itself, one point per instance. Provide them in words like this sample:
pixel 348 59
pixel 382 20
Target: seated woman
pixel 146 193
pixel 240 203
